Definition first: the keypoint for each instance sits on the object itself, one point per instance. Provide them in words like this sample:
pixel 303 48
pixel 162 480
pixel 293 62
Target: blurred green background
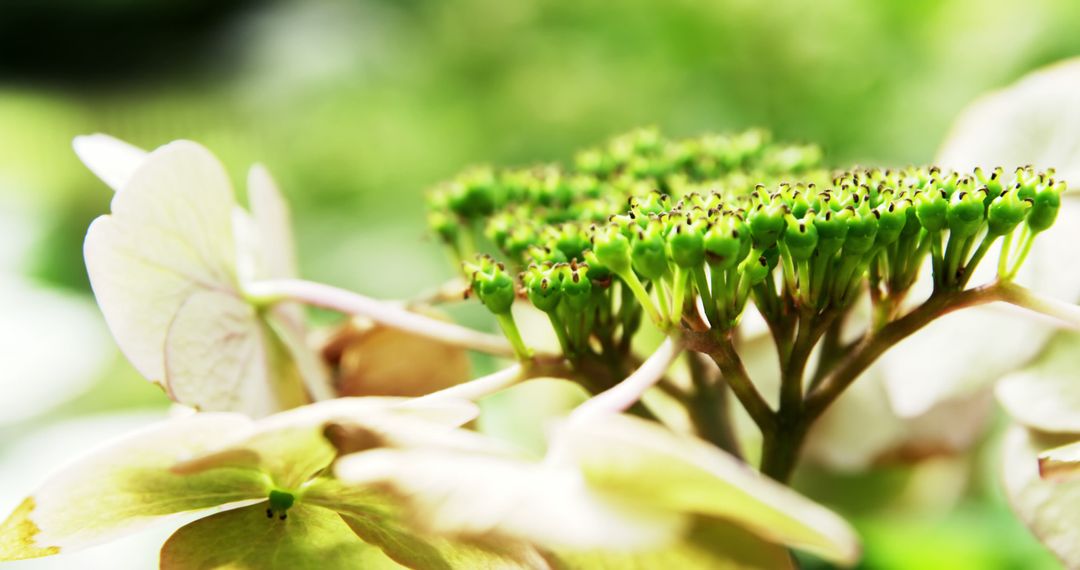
pixel 358 107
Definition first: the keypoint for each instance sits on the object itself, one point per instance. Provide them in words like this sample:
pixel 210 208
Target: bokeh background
pixel 358 107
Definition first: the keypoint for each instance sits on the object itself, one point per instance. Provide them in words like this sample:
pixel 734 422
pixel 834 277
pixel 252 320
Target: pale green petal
pixel 111 159
pixel 246 539
pixel 635 458
pixel 1046 395
pixel 500 498
pixel 125 485
pixel 169 235
pixel 1051 509
pixel 522 414
pixel 376 518
pixel 220 356
pixel 708 546
pixel 292 447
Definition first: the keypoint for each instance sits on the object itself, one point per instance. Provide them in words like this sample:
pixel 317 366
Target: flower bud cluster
pixel 601 253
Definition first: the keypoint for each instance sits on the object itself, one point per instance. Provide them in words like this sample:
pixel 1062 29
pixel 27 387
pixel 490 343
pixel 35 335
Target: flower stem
pixel 333 298
pixel 624 394
pixel 480 387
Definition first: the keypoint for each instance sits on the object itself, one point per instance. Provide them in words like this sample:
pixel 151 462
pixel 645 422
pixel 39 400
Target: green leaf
pixel 245 538
pixel 126 485
pixel 1051 509
pixel 635 458
pixel 713 545
pixel 1046 395
pixel 377 518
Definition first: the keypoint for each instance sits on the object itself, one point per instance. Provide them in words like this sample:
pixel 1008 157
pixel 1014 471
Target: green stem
pixel 679 295
pixel 707 299
pixel 984 246
pixel 720 348
pixel 1025 249
pixel 642 296
pixel 1003 259
pixel 510 329
pixel 560 332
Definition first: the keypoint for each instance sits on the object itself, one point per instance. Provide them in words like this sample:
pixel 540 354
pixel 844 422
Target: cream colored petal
pixel 220 356
pixel 271 214
pixel 125 485
pixel 1046 395
pixel 169 235
pixel 111 159
pixel 485 496
pixel 293 446
pixel 635 458
pixel 1050 509
pixel 1033 121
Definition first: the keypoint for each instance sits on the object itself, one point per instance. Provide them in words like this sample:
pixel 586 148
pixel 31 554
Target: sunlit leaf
pixel 632 457
pixel 125 485
pixel 246 539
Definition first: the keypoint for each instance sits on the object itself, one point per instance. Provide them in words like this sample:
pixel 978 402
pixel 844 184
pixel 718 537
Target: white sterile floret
pixel 168 267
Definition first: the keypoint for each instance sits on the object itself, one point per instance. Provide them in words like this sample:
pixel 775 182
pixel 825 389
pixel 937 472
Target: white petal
pixel 220 356
pixel 271 214
pixel 1050 509
pixel 169 235
pixel 1046 395
pixel 485 496
pixel 1034 121
pixel 111 159
pixel 52 346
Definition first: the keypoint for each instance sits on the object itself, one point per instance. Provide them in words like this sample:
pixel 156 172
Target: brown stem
pixel 719 347
pixel 876 343
pixel 708 405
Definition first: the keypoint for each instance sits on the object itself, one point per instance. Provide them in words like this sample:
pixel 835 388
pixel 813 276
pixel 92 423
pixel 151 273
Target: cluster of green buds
pixel 687 231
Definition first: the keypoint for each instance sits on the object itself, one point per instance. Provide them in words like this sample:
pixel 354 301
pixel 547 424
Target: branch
pixel 875 344
pixel 624 394
pixel 387 314
pixel 722 351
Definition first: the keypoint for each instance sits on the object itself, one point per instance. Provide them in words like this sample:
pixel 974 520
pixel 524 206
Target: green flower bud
pixel 992 182
pixel 570 240
pixel 492 284
pixel 611 248
pixel 727 242
pixel 545 254
pixel 544 287
pixel 649 251
pixel 801 237
pixel 653 203
pixel 766 223
pixel 965 213
pixel 474 194
pixel 862 230
pixel 445 226
pixel 595 162
pixel 686 241
pixel 1044 210
pixel 832 229
pixel 576 286
pixel 892 219
pixel 931 207
pixel 756 270
pixel 1006 212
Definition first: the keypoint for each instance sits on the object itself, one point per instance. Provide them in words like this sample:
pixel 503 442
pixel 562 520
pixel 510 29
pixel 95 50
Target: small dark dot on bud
pixel 269 514
pixel 877 214
pixel 283 516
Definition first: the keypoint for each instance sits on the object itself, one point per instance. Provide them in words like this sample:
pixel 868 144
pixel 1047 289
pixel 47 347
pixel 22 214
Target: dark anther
pixel 283 516
pixel 269 513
